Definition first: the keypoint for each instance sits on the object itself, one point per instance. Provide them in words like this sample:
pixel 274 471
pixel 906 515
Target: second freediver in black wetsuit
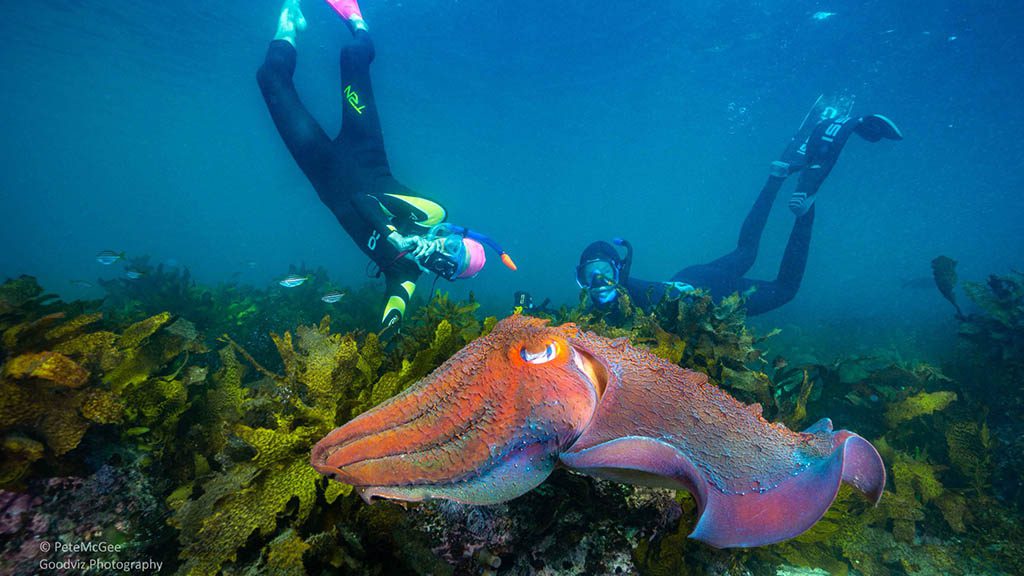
pixel 400 230
pixel 812 152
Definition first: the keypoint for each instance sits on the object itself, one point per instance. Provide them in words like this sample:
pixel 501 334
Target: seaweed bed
pixel 175 421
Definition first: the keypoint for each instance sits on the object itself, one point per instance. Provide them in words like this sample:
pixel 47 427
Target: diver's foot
pixel 800 202
pixel 349 11
pixel 874 127
pixel 291 22
pixel 823 148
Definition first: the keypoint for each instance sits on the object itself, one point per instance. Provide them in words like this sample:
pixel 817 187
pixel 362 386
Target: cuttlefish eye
pixel 546 354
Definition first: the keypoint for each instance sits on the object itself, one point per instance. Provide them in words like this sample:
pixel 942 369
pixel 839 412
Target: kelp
pixel 969 447
pixel 918 405
pixel 64 374
pixel 226 434
pixel 327 378
pixel 693 332
pixel 241 311
pixel 461 316
pixel 989 364
pixel 250 494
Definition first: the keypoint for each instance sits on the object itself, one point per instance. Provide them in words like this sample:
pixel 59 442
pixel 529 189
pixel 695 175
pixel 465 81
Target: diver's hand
pixel 427 247
pixel 404 243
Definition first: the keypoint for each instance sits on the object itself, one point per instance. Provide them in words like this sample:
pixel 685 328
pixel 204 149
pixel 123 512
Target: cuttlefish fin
pixel 754 518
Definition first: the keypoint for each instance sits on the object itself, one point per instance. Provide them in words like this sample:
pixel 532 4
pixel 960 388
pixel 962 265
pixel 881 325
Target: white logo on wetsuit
pixel 833 129
pixel 372 242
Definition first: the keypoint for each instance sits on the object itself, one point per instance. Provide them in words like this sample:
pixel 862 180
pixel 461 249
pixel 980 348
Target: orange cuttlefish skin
pixel 492 422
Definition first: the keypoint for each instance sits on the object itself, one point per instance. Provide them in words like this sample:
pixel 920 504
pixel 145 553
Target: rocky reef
pixel 175 420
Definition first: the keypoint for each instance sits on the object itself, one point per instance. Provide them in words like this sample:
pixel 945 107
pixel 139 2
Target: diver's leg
pixel 771 295
pixel 735 263
pixel 794 259
pixel 401 283
pixel 305 139
pixel 740 260
pixel 761 296
pixel 823 148
pixel 360 122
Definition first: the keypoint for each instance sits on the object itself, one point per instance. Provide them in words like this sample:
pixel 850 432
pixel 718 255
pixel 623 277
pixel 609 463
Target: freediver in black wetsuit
pixel 400 230
pixel 812 152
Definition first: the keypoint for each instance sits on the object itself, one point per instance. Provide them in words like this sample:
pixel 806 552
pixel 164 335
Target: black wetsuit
pixel 351 173
pixel 725 275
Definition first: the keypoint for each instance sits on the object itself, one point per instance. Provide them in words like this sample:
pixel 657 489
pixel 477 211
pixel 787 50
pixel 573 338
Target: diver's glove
pixel 678 290
pixel 417 247
pixel 408 244
pixel 427 247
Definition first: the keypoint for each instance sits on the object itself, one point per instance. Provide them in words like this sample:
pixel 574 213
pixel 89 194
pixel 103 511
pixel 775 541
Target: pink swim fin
pixel 347 9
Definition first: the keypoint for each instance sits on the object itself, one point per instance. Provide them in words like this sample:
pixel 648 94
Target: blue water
pixel 138 126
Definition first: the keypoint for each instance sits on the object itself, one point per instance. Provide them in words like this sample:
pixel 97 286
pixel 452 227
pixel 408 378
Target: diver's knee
pixel 356 54
pixel 275 70
pixel 786 294
pixel 264 76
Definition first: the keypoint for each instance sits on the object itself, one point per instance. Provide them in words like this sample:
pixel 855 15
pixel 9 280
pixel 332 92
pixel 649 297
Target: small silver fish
pixel 133 274
pixel 108 257
pixel 293 280
pixel 332 297
pixel 822 15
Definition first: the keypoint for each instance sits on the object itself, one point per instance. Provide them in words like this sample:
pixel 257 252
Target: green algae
pixel 234 447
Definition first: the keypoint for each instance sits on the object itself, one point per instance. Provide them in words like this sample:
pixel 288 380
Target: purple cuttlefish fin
pixel 753 518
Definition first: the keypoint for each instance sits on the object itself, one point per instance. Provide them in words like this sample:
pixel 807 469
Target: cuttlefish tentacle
pixel 493 421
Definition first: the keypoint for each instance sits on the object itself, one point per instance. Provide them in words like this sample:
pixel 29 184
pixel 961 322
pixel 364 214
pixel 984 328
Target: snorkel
pixel 627 261
pixel 483 239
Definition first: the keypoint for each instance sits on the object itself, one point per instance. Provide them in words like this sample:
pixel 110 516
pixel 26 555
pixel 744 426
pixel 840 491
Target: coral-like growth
pixel 113 506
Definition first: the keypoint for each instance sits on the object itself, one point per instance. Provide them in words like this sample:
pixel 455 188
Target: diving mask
pixel 597 273
pixel 451 259
pixel 462 252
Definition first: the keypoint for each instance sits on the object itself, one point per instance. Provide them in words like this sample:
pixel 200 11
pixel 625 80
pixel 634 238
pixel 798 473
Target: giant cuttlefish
pixel 492 422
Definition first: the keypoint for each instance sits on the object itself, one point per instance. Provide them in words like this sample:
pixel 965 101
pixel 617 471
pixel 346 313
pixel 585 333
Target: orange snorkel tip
pixel 507 261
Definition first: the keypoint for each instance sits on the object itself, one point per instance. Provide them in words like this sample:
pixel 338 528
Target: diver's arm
pixel 646 294
pixel 372 212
